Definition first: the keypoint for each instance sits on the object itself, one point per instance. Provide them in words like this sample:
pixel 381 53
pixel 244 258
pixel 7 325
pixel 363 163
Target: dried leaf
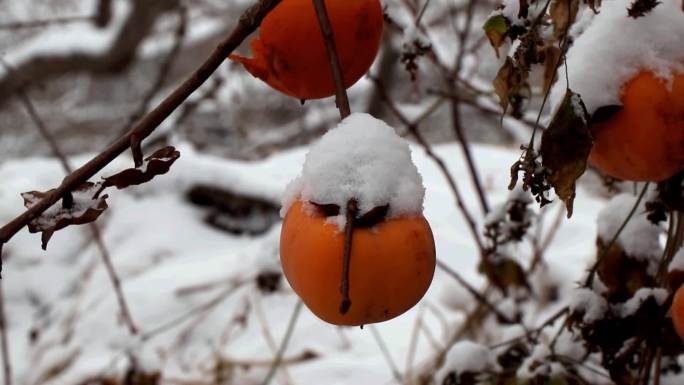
pixel 565 147
pixel 502 82
pixel 509 84
pixel 563 14
pixel 640 8
pixel 156 164
pixel 552 55
pixel 84 209
pixel 505 273
pixel 495 28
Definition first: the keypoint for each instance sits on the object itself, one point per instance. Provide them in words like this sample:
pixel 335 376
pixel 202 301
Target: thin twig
pixel 249 22
pixel 6 363
pixel 386 353
pixel 476 294
pixel 94 227
pixel 283 345
pixel 341 99
pixel 456 110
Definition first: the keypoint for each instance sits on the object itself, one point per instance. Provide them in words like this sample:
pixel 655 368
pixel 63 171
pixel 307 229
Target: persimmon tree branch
pixel 249 22
pixel 341 99
pixel 94 227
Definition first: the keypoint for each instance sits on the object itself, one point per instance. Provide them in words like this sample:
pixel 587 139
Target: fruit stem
pixel 352 209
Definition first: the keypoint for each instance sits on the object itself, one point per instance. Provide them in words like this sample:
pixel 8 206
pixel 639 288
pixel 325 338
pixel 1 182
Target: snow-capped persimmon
pixel 391 265
pixel 643 141
pixel 677 311
pixel 290 54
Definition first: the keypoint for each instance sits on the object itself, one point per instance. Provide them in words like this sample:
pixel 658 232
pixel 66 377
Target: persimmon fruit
pixel 644 140
pixel 677 311
pixel 390 269
pixel 290 54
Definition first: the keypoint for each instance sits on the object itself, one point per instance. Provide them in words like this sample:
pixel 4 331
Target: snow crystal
pixel 362 158
pixel 591 304
pixel 466 356
pixel 677 261
pixel 631 306
pixel 615 47
pixel 640 238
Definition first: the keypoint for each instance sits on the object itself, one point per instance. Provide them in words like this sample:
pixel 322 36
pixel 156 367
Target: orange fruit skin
pixel 645 140
pixel 290 54
pixel 677 312
pixel 391 266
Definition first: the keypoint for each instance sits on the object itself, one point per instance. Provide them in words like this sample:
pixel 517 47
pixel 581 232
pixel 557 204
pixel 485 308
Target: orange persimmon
pixel 290 55
pixel 644 141
pixel 391 265
pixel 677 311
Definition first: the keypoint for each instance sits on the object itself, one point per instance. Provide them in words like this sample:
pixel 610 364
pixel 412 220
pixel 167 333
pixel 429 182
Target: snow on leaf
pixel 158 163
pixel 84 209
pixel 565 147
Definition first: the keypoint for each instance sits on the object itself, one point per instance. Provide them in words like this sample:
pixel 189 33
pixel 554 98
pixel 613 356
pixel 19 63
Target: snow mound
pixel 615 47
pixel 640 238
pixel 362 158
pixel 466 357
pixel 591 304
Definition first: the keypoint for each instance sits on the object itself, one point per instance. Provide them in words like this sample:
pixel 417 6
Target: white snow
pixel 640 238
pixel 591 304
pixel 364 159
pixel 615 47
pixel 631 306
pixel 466 356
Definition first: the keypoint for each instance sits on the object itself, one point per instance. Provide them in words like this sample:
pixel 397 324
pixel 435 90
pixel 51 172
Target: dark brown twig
pixel 352 209
pixel 248 23
pixel 6 363
pixel 341 99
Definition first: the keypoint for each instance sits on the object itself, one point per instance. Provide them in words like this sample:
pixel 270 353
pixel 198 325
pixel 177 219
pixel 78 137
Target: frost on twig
pixel 84 208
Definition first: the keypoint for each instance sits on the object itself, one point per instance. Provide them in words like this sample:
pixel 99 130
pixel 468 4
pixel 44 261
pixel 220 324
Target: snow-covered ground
pixel 62 311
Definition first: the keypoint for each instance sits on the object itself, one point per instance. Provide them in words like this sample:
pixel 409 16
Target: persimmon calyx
pixel 372 217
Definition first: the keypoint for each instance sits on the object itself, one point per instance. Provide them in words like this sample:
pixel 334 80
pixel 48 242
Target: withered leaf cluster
pixel 86 204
